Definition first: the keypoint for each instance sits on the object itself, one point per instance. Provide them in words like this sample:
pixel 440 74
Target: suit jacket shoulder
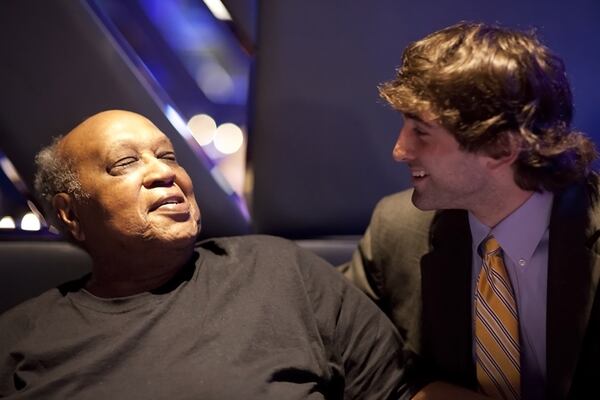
pixel 573 311
pixel 386 262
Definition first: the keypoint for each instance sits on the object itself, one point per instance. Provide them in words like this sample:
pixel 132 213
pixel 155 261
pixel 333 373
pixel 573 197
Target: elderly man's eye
pixel 123 162
pixel 168 155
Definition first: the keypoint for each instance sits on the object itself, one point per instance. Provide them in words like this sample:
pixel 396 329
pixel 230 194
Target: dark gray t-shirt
pixel 252 317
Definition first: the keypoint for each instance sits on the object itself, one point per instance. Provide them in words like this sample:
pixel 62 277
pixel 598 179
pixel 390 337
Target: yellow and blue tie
pixel 497 345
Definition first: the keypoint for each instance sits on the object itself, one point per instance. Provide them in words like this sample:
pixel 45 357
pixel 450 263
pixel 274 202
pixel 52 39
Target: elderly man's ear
pixel 66 209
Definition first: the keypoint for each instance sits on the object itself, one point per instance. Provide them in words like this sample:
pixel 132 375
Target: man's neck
pixel 134 273
pixel 500 205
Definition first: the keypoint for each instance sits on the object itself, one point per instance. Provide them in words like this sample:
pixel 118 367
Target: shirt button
pixel 522 262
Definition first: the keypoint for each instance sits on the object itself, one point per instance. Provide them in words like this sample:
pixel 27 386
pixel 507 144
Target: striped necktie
pixel 496 327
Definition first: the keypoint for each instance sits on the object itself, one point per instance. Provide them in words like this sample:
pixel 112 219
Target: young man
pixel 488 266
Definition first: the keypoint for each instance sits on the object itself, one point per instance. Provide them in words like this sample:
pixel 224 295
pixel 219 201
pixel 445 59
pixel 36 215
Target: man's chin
pixel 416 199
pixel 178 234
pixel 422 202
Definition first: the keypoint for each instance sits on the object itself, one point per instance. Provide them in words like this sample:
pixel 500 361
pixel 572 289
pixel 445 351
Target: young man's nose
pixel 402 150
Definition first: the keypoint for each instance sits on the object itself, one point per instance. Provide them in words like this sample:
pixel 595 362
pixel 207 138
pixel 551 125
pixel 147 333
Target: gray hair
pixel 55 174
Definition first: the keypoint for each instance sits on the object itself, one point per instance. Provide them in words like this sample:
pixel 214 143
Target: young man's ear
pixel 64 205
pixel 506 151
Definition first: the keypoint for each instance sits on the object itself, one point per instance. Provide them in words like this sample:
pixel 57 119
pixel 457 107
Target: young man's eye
pixel 419 132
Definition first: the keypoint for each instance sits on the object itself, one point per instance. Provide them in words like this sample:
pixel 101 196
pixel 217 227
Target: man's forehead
pixel 129 139
pixel 426 119
pixel 109 130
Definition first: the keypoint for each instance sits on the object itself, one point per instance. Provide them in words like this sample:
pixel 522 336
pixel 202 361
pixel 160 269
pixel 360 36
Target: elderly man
pixel 162 318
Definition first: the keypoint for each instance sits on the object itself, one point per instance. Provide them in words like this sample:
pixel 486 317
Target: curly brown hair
pixel 484 82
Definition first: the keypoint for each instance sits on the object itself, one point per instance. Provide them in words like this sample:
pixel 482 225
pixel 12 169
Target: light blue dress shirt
pixel 523 236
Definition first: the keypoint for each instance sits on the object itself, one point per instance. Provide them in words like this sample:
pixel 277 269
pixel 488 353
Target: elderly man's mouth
pixel 170 204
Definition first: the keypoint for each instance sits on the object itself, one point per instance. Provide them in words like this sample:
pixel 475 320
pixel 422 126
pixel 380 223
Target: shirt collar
pixel 520 233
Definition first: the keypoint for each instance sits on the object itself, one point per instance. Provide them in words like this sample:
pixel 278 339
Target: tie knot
pixel 488 245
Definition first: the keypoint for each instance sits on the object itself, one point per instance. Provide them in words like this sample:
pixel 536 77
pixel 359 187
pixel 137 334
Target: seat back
pixel 29 268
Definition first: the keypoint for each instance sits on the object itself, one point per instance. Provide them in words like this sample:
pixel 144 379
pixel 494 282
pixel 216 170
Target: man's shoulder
pixel 593 189
pixel 237 245
pixel 401 200
pixel 400 203
pixel 24 315
pixel 583 197
pixel 397 213
pixel 593 210
pixel 262 261
pixel 257 251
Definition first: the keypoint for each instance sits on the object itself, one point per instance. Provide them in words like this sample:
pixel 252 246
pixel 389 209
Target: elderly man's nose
pixel 402 150
pixel 159 174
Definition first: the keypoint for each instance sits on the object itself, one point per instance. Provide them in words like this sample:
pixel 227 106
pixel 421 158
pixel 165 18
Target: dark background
pixel 320 138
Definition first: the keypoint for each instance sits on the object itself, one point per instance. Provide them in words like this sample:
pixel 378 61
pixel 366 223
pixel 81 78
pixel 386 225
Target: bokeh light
pixel 7 222
pixel 30 222
pixel 203 128
pixel 228 138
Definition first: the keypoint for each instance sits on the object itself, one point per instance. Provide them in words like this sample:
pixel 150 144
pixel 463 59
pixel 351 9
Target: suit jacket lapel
pixel 573 271
pixel 446 285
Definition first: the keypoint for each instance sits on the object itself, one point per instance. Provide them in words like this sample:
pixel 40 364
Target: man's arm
pixel 371 350
pixel 362 266
pixel 15 325
pixel 415 381
pixel 363 346
pixel 389 253
pixel 388 258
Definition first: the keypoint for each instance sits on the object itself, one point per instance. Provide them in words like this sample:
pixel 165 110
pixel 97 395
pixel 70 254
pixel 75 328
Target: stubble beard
pixel 436 198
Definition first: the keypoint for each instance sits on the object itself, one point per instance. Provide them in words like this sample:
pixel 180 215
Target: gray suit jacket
pixel 417 266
